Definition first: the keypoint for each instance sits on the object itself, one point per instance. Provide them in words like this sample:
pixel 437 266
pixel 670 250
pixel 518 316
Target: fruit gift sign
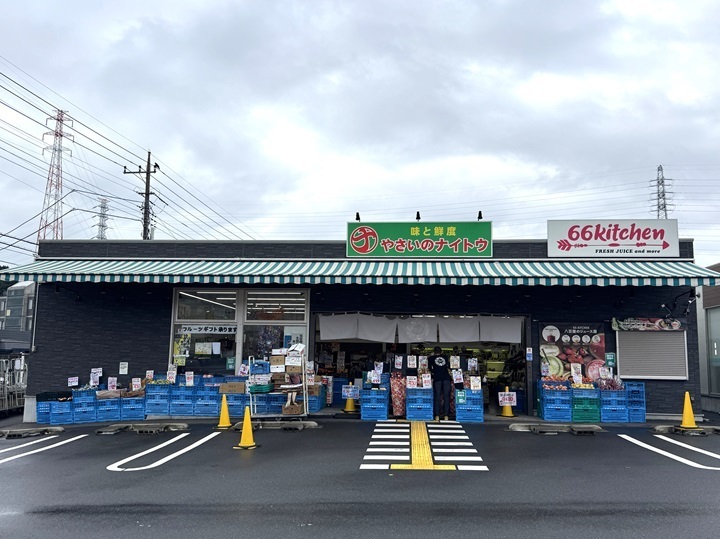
pixel 562 345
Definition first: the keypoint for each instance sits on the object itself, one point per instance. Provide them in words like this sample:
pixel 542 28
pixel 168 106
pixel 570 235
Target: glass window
pixel 206 305
pixel 204 348
pixel 276 305
pixel 713 331
pixel 258 341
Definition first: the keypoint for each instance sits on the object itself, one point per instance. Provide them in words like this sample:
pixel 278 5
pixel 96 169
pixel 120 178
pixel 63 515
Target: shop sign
pixel 230 364
pixel 564 344
pixel 462 239
pixel 189 379
pixel 123 367
pixel 610 359
pixel 207 328
pixel 623 238
pixel 460 397
pixel 507 398
pixel 649 324
pixel 350 392
pixel 95 375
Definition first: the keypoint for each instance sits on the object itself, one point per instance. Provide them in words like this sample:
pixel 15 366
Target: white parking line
pixel 8 459
pixel 29 443
pixel 691 448
pixel 115 467
pixel 666 454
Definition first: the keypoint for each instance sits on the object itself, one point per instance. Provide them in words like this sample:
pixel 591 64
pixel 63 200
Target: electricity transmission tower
pixel 51 226
pixel 660 200
pixel 102 220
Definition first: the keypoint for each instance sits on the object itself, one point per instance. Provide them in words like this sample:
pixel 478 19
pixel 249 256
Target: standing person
pixel 442 382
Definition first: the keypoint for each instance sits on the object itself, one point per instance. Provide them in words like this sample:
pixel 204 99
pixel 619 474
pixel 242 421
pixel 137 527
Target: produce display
pixel 610 384
pixel 583 386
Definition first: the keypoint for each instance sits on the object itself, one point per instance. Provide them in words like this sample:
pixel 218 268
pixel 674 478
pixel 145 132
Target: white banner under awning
pixel 376 328
pixel 498 329
pixel 417 330
pixel 459 329
pixel 338 326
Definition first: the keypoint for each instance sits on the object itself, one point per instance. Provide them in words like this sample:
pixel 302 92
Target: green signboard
pixel 420 239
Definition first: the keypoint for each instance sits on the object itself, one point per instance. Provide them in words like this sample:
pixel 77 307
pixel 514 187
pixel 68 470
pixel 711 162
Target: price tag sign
pixel 149 375
pixel 73 381
pixel 123 367
pixel 508 398
pixel 136 384
pixel 350 392
pixel 112 382
pixel 189 378
pixel 171 376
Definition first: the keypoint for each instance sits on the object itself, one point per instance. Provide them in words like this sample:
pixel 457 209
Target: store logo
pixel 364 240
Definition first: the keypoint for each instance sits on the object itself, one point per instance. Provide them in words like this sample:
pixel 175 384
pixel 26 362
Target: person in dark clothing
pixel 442 382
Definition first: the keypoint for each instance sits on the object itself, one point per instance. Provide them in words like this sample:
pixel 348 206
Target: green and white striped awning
pixel 551 272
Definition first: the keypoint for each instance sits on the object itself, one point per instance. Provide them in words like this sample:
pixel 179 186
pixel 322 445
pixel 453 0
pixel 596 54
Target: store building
pixel 520 309
pixel 709 333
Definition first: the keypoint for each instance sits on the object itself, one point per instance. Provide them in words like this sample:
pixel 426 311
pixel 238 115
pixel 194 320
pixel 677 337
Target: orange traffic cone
pixel 224 415
pixel 246 439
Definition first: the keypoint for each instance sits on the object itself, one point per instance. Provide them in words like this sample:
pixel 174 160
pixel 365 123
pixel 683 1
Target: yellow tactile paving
pixel 421 451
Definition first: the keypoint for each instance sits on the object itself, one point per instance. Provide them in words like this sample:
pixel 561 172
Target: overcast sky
pixel 281 119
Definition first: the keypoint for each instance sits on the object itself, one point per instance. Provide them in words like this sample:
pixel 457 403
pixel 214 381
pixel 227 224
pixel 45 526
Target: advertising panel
pixel 623 238
pixel 565 344
pixel 420 239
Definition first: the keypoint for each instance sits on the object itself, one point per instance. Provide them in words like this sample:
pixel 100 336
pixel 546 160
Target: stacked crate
pixel 614 406
pixel 61 412
pixel 84 406
pixel 260 403
pixel 315 403
pixel 237 403
pixel 207 401
pixel 586 405
pixel 182 400
pixel 418 404
pixel 42 412
pixel 374 404
pixel 275 402
pixel 132 408
pixel 157 399
pixel 472 411
pixel 555 404
pixel 636 401
pixel 108 409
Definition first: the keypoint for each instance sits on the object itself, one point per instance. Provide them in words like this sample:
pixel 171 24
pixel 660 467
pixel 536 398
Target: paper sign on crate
pixel 508 398
pixel 423 362
pixel 149 375
pixel 136 384
pixel 412 362
pixel 398 362
pixel 171 376
pixel 411 381
pixel 112 383
pixel 427 380
pixel 454 362
pixel 277 368
pixel 350 392
pixel 189 378
pixel 475 383
pixel 457 377
pixel 472 364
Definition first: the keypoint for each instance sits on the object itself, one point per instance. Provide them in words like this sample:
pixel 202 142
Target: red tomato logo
pixel 363 240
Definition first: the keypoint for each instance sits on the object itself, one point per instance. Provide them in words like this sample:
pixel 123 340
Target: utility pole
pixel 102 220
pixel 661 205
pixel 146 204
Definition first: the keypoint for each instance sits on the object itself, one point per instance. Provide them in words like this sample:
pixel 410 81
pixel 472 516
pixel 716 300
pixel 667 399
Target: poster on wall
pixel 565 344
pixel 649 324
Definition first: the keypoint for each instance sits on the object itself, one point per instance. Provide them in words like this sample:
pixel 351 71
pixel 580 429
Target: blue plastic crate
pixel 556 399
pixel 133 408
pixel 419 415
pixel 238 398
pixel 636 403
pixel 373 411
pixel 42 412
pixel 83 401
pixel 613 398
pixel 472 396
pixel 60 407
pixel 85 415
pixel 469 414
pixel 236 410
pixel 108 404
pixel 636 416
pixel 277 398
pixel 84 393
pixel 556 413
pixel 157 389
pixel 418 409
pixel 206 409
pixel 580 393
pixel 109 414
pixel 520 399
pixel 181 408
pixel 374 396
pixel 614 414
pixel 207 391
pixel 61 418
pixel 260 367
pixel 259 409
pixel 157 397
pixel 182 393
pixel 157 407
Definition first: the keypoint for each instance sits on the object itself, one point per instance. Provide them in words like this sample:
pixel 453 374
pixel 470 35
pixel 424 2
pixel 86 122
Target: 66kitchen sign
pixel 623 238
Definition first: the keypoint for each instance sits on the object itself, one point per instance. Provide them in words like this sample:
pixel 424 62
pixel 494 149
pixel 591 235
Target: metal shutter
pixel 660 355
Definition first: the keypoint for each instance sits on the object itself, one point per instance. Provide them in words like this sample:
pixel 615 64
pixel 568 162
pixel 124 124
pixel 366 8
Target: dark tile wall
pixel 82 326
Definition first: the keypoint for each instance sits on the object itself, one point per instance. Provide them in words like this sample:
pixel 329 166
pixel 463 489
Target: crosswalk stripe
pixel 445 426
pixel 374 466
pixel 390 442
pixel 391 431
pixel 458 457
pixel 386 457
pixel 390 449
pixel 454 444
pixel 441 437
pixel 472 468
pixel 391 436
pixel 452 432
pixel 445 450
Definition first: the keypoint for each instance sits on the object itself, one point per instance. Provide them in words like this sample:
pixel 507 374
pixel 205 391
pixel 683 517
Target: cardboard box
pixel 293 369
pixel 232 387
pixel 277 368
pixel 293 409
pixel 295 361
pixel 314 391
pixel 277 360
pixel 278 377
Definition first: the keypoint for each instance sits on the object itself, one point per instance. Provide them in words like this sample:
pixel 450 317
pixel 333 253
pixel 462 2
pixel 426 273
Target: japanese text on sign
pixel 508 398
pixel 207 328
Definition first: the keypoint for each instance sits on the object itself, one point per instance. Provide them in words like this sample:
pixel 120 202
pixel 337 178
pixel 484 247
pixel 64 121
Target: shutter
pixel 660 355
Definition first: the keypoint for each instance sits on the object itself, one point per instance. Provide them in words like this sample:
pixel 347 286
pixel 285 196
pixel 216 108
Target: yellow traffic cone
pixel 507 409
pixel 688 418
pixel 349 405
pixel 246 439
pixel 224 415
